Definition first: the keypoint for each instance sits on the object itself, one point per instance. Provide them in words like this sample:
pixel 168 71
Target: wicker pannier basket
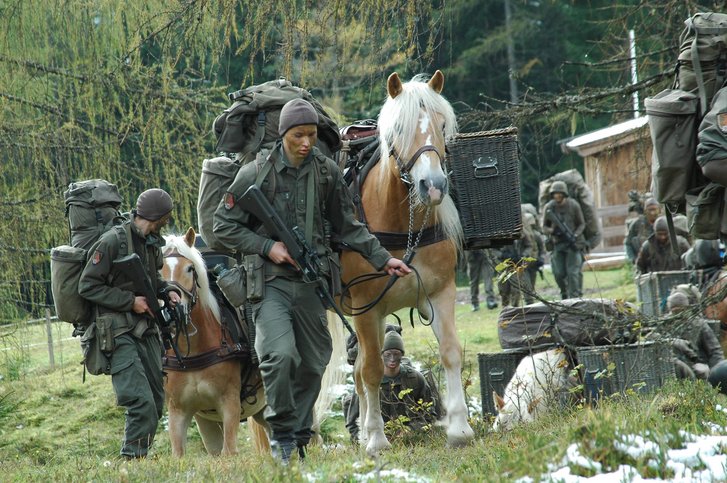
pixel 485 174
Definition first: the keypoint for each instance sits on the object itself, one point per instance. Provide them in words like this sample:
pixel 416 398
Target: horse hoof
pixel 460 438
pixel 376 446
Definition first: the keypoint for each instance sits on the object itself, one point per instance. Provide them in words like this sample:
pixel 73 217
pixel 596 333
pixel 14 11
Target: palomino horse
pixel 405 192
pixel 209 387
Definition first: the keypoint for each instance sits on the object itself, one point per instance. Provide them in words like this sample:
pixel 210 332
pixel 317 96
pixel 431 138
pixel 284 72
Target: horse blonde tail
pixel 334 377
pixel 259 436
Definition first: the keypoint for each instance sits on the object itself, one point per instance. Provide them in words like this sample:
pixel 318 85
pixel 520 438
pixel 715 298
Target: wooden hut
pixel 616 159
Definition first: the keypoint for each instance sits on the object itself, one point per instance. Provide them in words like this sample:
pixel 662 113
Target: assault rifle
pixel 255 202
pixel 565 232
pixel 164 317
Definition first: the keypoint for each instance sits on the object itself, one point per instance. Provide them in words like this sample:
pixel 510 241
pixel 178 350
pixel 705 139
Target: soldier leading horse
pixel 405 194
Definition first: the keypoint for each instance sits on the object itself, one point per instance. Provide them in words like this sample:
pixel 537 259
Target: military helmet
pixel 559 187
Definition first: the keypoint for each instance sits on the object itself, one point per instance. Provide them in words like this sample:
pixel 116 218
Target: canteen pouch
pixel 95 360
pixel 705 206
pixel 255 277
pixel 233 283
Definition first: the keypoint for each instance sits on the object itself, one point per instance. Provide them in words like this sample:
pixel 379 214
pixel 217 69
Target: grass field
pixel 55 427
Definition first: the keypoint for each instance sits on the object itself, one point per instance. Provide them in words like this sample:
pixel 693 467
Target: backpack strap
pixel 256 142
pixel 123 235
pixel 672 230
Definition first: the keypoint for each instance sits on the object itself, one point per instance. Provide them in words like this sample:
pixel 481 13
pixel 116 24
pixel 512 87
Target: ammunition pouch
pixel 96 361
pixel 254 268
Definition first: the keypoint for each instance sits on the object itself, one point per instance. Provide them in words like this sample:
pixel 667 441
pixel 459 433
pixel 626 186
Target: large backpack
pixel 674 119
pixel 249 125
pixel 579 191
pixel 92 208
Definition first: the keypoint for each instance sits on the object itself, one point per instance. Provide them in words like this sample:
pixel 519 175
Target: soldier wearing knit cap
pixel 125 317
pixel 695 346
pixel 307 191
pixel 404 392
pixel 641 229
pixel 656 254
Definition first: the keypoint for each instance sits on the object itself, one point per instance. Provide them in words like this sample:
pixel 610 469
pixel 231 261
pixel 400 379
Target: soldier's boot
pixel 301 452
pixel 491 303
pixel 282 450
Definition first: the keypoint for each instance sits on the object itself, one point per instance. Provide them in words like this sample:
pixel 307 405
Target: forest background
pixel 127 90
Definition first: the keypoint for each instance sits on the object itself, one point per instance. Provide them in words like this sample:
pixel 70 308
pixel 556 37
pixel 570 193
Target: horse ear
pixel 437 82
pixel 189 237
pixel 499 402
pixel 393 85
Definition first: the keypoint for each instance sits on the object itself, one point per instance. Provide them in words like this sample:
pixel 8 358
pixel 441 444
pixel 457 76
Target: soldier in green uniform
pixel 656 254
pixel 481 269
pixel 292 340
pixel 566 258
pixel 126 320
pixel 641 229
pixel 403 392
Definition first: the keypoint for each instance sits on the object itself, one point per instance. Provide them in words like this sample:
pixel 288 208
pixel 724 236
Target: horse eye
pixel 190 268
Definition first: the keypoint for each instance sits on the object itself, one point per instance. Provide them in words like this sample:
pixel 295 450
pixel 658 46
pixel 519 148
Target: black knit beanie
pixel 153 204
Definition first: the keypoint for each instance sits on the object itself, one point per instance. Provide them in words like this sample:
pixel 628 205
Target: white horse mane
pixel 206 297
pixel 398 122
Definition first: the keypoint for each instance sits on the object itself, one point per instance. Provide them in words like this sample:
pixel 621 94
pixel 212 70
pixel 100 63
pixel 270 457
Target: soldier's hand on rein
pixel 174 298
pixel 394 266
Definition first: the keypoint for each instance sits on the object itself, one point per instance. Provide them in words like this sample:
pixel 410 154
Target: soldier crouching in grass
pixel 124 321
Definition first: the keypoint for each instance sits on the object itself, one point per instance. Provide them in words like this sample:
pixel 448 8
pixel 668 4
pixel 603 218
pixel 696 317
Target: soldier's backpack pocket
pixel 705 206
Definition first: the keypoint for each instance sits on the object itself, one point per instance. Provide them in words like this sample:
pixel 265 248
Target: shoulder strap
pixel 123 235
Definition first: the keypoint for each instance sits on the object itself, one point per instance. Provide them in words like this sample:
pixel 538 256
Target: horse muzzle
pixel 432 191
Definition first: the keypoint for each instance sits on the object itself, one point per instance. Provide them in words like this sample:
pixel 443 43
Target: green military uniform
pixel 481 269
pixel 518 283
pixel 659 257
pixel 136 360
pixel 566 260
pixel 639 231
pixel 292 339
pixel 394 403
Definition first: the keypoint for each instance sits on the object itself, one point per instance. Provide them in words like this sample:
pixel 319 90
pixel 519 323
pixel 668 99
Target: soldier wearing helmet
pixel 563 223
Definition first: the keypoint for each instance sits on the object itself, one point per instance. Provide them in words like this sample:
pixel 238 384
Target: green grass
pixel 54 427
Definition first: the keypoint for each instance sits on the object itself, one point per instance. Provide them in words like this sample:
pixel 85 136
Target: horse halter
pixel 190 293
pixel 405 169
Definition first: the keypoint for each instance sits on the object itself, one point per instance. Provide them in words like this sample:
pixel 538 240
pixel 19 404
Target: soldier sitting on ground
pixel 404 392
pixel 696 348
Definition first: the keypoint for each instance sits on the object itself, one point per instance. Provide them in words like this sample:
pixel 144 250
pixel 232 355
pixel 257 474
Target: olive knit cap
pixel 295 113
pixel 393 341
pixel 153 204
pixel 677 299
pixel 651 202
pixel 660 224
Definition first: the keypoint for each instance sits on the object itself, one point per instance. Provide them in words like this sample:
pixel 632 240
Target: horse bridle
pixel 405 169
pixel 190 293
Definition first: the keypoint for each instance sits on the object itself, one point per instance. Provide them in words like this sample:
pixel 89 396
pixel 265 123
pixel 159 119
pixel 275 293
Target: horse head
pixel 185 269
pixel 414 124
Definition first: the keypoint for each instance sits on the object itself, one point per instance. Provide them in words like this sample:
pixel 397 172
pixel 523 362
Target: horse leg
pixel 178 425
pixel 230 410
pixel 459 432
pixel 259 432
pixel 212 435
pixel 369 329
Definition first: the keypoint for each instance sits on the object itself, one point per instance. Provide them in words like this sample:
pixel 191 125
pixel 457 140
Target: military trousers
pixel 480 270
pixel 136 375
pixel 294 346
pixel 567 264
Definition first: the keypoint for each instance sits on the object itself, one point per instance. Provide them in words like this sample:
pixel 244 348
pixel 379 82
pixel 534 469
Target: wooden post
pixel 49 330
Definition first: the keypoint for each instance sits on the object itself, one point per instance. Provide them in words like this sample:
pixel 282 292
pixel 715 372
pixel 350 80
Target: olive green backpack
pixel 92 208
pixel 249 125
